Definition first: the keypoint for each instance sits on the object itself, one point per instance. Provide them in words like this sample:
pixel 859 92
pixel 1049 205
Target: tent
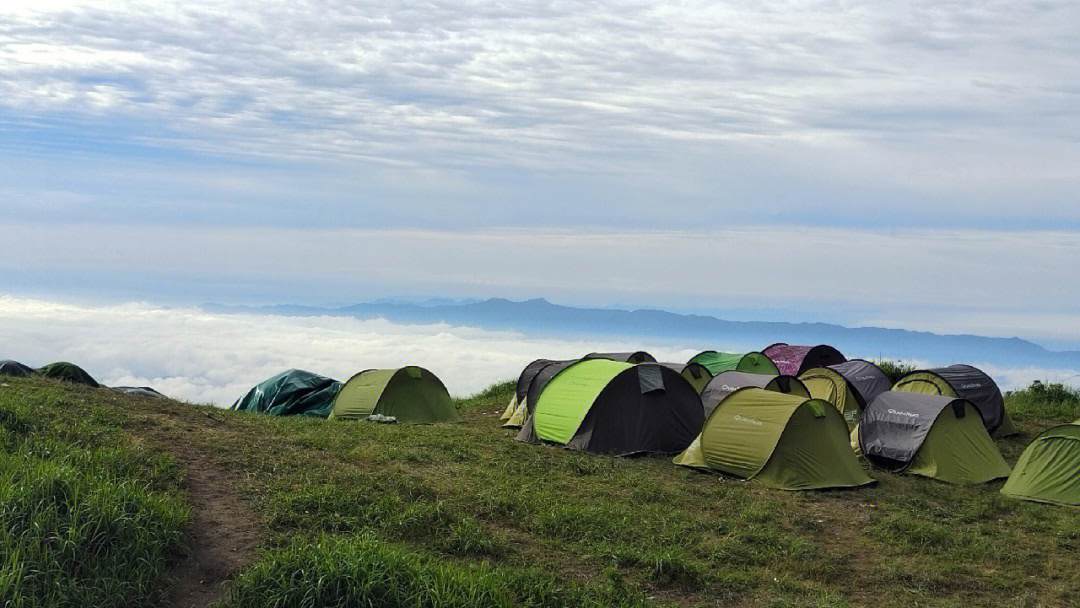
pixel 966 382
pixel 409 394
pixel 754 363
pixel 142 391
pixel 849 386
pixel 611 407
pixel 16 369
pixel 634 357
pixel 794 360
pixel 695 373
pixel 1049 469
pixel 784 441
pixel 290 393
pixel 522 386
pixel 544 374
pixel 726 383
pixel 70 372
pixel 930 435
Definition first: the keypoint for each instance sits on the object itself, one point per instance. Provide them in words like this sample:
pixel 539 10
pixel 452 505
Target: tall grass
pixel 1044 401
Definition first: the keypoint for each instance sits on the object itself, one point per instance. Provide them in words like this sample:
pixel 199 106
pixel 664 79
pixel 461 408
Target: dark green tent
pixel 290 393
pixel 62 370
pixel 634 357
pixel 751 363
pixel 16 369
pixel 141 391
pixel 1049 469
pixel 409 394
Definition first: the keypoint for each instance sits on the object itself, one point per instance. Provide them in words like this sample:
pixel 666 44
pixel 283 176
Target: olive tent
pixel 1049 469
pixel 717 362
pixel 966 382
pixel 16 369
pixel 930 435
pixel 726 383
pixel 294 392
pixel 634 357
pixel 69 372
pixel 849 386
pixel 695 373
pixel 783 441
pixel 611 407
pixel 141 391
pixel 410 394
pixel 794 360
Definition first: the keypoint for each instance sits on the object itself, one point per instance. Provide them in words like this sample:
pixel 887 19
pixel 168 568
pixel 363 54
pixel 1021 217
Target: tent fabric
pixel 510 407
pixel 1049 469
pixel 965 382
pixel 62 370
pixel 717 362
pixel 540 382
pixel 611 407
pixel 535 377
pixel 294 392
pixel 929 435
pixel 783 441
pixel 794 360
pixel 142 391
pixel 16 369
pixel 696 374
pixel 726 383
pixel 866 379
pixel 634 357
pixel 757 363
pixel 827 384
pixel 410 394
pixel 526 377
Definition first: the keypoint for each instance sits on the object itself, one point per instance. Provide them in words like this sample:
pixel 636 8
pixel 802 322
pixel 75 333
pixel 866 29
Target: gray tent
pixel 634 357
pixel 725 383
pixel 866 379
pixel 16 369
pixel 527 375
pixel 966 382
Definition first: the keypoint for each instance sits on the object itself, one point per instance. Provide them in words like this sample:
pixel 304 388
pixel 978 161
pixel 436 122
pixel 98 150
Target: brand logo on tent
pixel 729 388
pixel 908 414
pixel 972 385
pixel 753 421
pixel 861 378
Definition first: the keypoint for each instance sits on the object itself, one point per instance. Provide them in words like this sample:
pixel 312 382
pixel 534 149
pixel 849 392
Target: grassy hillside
pixel 463 515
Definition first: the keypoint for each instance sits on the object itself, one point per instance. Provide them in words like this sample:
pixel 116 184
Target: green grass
pixel 1044 402
pixel 455 515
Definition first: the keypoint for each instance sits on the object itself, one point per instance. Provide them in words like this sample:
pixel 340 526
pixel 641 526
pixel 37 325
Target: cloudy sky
pixel 909 164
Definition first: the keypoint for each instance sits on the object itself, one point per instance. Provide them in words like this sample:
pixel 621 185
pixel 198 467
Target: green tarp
pixel 409 394
pixel 291 393
pixel 1049 469
pixel 62 370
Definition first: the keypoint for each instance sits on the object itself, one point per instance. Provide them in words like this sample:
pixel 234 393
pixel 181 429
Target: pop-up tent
pixel 783 441
pixel 849 386
pixel 794 360
pixel 930 435
pixel 1049 469
pixel 726 383
pixel 695 373
pixel 142 391
pixel 409 394
pixel 611 407
pixel 966 382
pixel 753 363
pixel 634 357
pixel 62 370
pixel 16 369
pixel 522 386
pixel 294 392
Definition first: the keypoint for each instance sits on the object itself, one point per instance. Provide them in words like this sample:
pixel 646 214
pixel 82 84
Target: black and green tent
pixel 634 357
pixel 410 394
pixel 849 386
pixel 611 407
pixel 725 383
pixel 930 435
pixel 69 372
pixel 718 362
pixel 695 373
pixel 291 393
pixel 16 369
pixel 522 386
pixel 1049 469
pixel 530 384
pixel 783 441
pixel 967 382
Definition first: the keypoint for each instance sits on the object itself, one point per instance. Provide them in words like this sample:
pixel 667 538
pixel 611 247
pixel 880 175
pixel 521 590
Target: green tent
pixel 783 441
pixel 1049 469
pixel 15 369
pixel 409 394
pixel 695 373
pixel 717 362
pixel 62 370
pixel 829 385
pixel 291 393
pixel 965 382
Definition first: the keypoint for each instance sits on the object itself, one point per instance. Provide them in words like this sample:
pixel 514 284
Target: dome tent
pixel 142 391
pixel 966 382
pixel 695 373
pixel 15 369
pixel 634 357
pixel 522 385
pixel 717 362
pixel 794 360
pixel 410 394
pixel 62 370
pixel 930 435
pixel 849 386
pixel 543 374
pixel 783 441
pixel 611 407
pixel 726 383
pixel 1049 469
pixel 294 392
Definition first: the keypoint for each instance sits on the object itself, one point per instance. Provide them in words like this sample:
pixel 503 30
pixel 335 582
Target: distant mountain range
pixel 542 318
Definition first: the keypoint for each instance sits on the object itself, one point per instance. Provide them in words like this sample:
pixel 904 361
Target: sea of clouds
pixel 192 355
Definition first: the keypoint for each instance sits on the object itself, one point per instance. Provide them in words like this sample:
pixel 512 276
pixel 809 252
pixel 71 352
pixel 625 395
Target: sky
pixel 910 164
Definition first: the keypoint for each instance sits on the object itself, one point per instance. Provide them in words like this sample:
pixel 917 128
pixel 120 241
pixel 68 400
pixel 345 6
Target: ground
pixel 297 512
